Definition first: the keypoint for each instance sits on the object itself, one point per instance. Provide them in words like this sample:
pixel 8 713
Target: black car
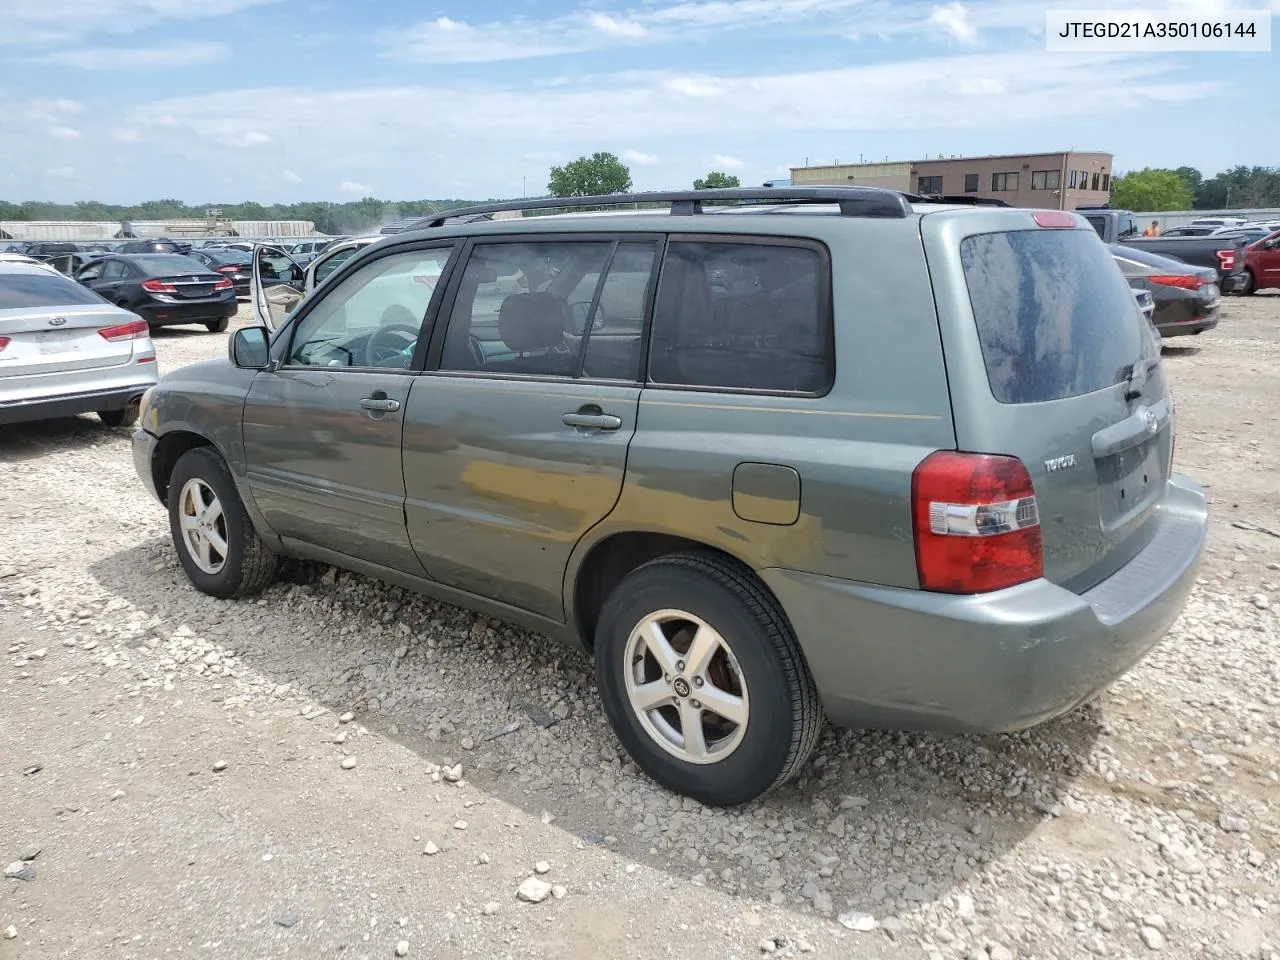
pixel 155 245
pixel 1187 298
pixel 235 264
pixel 49 248
pixel 163 289
pixel 69 263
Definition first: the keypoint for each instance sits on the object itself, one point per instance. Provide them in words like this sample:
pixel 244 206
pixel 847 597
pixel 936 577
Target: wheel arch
pixel 601 565
pixel 169 450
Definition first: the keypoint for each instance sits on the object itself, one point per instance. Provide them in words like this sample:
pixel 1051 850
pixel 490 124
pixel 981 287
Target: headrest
pixel 532 321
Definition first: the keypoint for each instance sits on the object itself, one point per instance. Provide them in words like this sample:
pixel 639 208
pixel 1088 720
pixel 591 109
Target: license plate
pixel 55 343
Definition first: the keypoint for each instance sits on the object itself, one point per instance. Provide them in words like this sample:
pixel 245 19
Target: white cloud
pixel 640 159
pixel 64 133
pixel 617 26
pixel 726 162
pixel 954 19
pixel 139 58
pixel 696 87
pixel 288 176
pixel 31 22
pixel 62 172
pixel 126 135
pixel 247 138
pixel 350 186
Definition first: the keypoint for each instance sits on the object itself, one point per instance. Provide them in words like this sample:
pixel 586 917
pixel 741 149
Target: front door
pixel 1269 263
pixel 322 431
pixel 276 286
pixel 517 445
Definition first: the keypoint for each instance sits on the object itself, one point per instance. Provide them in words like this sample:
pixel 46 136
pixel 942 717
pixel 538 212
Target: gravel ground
pixel 341 768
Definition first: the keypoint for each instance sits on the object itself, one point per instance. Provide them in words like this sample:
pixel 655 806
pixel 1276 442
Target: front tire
pixel 703 680
pixel 120 418
pixel 220 551
pixel 217 326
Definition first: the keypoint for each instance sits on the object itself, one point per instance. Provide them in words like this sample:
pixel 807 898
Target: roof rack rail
pixel 853 202
pixel 966 199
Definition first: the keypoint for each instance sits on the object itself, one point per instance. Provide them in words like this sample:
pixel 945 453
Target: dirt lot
pixel 180 769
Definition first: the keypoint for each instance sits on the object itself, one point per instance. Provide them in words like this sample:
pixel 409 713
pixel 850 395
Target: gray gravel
pixel 1144 823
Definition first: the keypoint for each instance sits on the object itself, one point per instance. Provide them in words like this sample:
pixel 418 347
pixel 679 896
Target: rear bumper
pixel 144 446
pixel 70 404
pixel 168 314
pixel 1181 328
pixel 1233 283
pixel 887 657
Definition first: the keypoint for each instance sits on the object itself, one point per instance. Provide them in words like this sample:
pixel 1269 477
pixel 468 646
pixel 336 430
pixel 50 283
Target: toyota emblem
pixel 1151 421
pixel 57 321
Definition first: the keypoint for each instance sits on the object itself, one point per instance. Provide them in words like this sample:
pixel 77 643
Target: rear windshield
pixel 168 265
pixel 1055 316
pixel 19 291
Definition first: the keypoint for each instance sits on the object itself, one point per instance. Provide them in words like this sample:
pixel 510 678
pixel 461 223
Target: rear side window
pixel 743 316
pixel 1055 317
pixel 19 291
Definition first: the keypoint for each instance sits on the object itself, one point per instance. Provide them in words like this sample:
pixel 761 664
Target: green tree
pixel 716 180
pixel 1150 190
pixel 591 176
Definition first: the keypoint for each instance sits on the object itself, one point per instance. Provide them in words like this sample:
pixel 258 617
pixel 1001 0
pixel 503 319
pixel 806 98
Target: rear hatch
pixel 1051 361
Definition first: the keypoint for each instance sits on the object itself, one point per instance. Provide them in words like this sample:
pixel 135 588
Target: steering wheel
pixel 377 353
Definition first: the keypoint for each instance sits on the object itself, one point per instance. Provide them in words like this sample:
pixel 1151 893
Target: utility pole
pixel 524 188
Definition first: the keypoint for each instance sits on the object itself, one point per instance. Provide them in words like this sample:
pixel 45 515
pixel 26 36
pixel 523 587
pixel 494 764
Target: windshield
pixel 19 291
pixel 168 266
pixel 1054 314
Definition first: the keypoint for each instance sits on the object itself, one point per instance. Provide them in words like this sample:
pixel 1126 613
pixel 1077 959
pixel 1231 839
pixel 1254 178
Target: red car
pixel 1262 264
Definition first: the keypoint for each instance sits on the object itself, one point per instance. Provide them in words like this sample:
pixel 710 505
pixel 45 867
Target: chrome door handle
pixel 597 421
pixel 384 404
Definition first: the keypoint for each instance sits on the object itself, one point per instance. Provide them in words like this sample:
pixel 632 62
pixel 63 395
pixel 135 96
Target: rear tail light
pixel 1184 280
pixel 227 269
pixel 977 525
pixel 223 284
pixel 134 330
pixel 1226 260
pixel 4 342
pixel 158 286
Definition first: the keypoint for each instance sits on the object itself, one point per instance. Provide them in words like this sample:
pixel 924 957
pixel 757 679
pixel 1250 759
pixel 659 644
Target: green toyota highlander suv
pixel 770 455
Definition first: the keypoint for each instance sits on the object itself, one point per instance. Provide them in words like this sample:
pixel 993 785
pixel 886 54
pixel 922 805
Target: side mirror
pixel 250 349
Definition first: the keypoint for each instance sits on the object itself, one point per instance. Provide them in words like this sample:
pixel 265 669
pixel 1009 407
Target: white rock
pixel 1257 858
pixel 10 932
pixel 219 766
pixel 1153 938
pixel 460 824
pixel 453 774
pixel 857 920
pixel 402 948
pixel 542 867
pixel 1155 921
pixel 348 763
pixel 347 717
pixel 768 946
pixel 998 951
pixel 430 849
pixel 1261 601
pixel 1233 824
pixel 559 891
pixel 38 654
pixel 490 908
pixel 533 890
pixel 964 906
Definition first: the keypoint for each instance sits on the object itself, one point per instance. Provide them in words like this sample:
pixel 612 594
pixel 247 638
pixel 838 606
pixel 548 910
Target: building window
pixel 930 185
pixel 1046 179
pixel 1095 181
pixel 970 183
pixel 1003 182
pixel 1072 184
pixel 1106 182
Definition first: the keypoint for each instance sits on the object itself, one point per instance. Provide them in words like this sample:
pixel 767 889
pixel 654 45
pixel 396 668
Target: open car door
pixel 276 287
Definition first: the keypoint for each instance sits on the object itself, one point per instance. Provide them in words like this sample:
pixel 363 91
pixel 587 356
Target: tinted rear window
pixel 168 266
pixel 20 291
pixel 1054 315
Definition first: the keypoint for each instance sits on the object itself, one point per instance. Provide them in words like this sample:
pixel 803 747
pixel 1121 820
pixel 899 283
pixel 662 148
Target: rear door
pixel 1049 360
pixel 517 444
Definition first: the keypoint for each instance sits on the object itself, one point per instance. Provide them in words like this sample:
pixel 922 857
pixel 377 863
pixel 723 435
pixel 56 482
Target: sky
pixel 288 100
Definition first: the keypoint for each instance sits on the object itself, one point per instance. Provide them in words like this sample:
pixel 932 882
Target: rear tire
pixel 755 671
pixel 120 418
pixel 1250 283
pixel 220 551
pixel 218 326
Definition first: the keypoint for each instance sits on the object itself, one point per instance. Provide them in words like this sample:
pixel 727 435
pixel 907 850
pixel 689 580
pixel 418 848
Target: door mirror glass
pixel 250 348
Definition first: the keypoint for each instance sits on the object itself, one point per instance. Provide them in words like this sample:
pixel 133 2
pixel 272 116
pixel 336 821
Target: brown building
pixel 1056 180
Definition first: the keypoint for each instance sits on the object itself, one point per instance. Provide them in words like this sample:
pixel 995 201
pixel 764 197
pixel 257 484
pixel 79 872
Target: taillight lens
pixel 1053 219
pixel 134 330
pixel 227 269
pixel 223 284
pixel 4 342
pixel 977 524
pixel 1185 281
pixel 158 286
pixel 1226 259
